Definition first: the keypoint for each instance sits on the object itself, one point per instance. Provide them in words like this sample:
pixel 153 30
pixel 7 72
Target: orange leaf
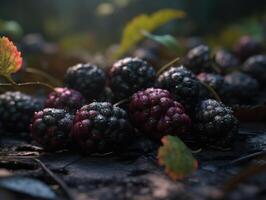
pixel 10 57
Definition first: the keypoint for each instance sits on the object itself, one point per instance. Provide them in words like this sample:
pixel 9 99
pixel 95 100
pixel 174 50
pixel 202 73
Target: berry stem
pixel 13 83
pixel 121 102
pixel 166 66
pixel 213 92
pixel 43 74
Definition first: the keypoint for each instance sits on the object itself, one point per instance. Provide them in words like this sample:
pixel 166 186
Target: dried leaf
pixel 10 57
pixel 132 33
pixel 176 157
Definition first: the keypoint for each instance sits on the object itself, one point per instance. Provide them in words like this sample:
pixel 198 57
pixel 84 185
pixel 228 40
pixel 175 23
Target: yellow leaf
pixel 10 57
pixel 132 33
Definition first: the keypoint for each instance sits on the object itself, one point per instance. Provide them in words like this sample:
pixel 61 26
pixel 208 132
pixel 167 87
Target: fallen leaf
pixel 176 157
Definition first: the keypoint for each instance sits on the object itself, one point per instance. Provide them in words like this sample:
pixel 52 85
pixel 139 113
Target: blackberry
pixel 155 113
pixel 198 59
pixel 215 81
pixel 51 128
pixel 226 60
pixel 64 98
pixel 130 75
pixel 255 66
pixel 17 110
pixel 106 96
pixel 246 47
pixel 148 54
pixel 215 124
pixel 182 84
pixel 88 79
pixel 100 127
pixel 242 88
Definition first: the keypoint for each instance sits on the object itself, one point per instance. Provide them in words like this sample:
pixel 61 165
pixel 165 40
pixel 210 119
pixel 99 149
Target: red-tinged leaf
pixel 176 157
pixel 10 57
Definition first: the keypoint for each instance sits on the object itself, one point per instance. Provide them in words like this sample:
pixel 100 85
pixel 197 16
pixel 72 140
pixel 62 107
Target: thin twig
pixel 28 84
pixel 210 89
pixel 166 66
pixel 45 75
pixel 62 184
pixel 247 157
pixel 121 102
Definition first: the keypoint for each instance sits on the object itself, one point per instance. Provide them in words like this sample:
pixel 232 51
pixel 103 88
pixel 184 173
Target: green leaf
pixel 167 40
pixel 132 33
pixel 176 157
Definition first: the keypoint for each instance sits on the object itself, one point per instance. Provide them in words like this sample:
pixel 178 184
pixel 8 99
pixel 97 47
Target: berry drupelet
pixel 100 127
pixel 246 47
pixel 255 66
pixel 215 124
pixel 182 84
pixel 198 59
pixel 242 88
pixel 88 79
pixel 64 98
pixel 155 113
pixel 17 110
pixel 130 75
pixel 51 128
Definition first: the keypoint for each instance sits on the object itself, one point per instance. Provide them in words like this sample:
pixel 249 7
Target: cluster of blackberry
pixel 179 101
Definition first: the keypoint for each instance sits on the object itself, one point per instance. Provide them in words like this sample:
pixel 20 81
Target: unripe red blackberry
pixel 198 59
pixel 155 113
pixel 246 47
pixel 182 84
pixel 64 98
pixel 255 66
pixel 17 110
pixel 226 60
pixel 242 88
pixel 130 75
pixel 100 127
pixel 215 124
pixel 88 79
pixel 51 128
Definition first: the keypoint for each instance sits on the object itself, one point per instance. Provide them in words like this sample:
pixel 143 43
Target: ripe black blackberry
pixel 198 59
pixel 130 75
pixel 215 124
pixel 255 66
pixel 215 81
pixel 226 60
pixel 182 84
pixel 17 110
pixel 242 88
pixel 246 47
pixel 64 98
pixel 150 55
pixel 155 113
pixel 100 127
pixel 88 79
pixel 51 128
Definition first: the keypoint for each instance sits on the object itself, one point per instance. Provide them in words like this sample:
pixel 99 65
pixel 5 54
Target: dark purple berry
pixel 156 114
pixel 51 128
pixel 64 98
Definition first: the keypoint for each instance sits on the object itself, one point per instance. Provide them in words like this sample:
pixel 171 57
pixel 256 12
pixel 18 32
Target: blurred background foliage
pixel 95 24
